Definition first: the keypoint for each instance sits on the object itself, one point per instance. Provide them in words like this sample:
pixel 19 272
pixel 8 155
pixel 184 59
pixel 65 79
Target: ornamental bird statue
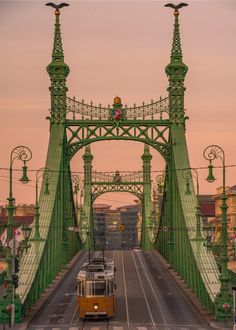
pixel 176 7
pixel 57 7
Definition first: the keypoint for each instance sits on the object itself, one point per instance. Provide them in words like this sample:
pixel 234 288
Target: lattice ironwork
pixel 133 188
pixel 153 110
pixel 155 133
pixel 117 176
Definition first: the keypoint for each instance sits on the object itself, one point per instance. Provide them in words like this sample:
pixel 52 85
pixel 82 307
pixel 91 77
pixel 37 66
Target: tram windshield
pixel 99 288
pixel 95 288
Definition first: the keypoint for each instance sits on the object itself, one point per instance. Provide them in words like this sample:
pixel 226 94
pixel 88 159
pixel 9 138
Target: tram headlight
pixel 95 307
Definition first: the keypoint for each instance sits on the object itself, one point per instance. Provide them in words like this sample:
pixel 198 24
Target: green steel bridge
pixel 161 125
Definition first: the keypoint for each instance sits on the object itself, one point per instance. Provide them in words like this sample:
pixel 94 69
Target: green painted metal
pixel 46 258
pixel 223 300
pixel 74 125
pixel 176 241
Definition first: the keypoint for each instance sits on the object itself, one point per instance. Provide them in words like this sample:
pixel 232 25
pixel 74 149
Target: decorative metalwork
pixel 126 176
pixel 146 157
pixel 133 188
pixel 21 153
pixel 176 70
pixel 213 152
pixel 154 110
pixel 58 70
pixel 80 133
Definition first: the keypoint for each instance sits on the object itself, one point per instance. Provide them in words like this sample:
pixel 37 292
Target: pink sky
pixel 116 48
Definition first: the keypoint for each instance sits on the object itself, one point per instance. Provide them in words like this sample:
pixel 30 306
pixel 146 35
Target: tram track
pixel 144 293
pixel 125 291
pixel 152 289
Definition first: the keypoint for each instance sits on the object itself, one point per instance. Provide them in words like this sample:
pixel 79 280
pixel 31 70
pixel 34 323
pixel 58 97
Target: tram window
pixel 88 290
pixel 110 287
pixel 100 288
pixel 80 288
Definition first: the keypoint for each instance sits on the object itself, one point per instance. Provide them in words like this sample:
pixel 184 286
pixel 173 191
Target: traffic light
pixel 15 280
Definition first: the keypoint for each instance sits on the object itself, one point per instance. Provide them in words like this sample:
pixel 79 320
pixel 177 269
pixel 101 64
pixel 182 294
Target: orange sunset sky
pixel 117 48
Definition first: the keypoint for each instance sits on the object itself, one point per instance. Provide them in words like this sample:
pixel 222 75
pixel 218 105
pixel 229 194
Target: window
pixel 109 287
pixel 81 288
pixel 99 288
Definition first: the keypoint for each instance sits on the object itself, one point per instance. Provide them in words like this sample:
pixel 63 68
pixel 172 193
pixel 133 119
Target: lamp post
pixel 85 229
pixel 23 154
pixel 45 175
pixel 160 179
pixel 223 300
pixel 188 174
pixel 76 181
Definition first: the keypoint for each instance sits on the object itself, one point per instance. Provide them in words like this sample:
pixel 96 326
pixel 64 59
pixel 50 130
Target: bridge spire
pixel 58 70
pixel 146 157
pixel 176 71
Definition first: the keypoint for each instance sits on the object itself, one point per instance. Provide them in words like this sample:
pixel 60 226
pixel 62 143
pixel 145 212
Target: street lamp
pixel 76 181
pixel 160 179
pixel 223 299
pixel 188 174
pixel 45 175
pixel 24 154
pixel 152 222
pixel 208 230
pixel 85 229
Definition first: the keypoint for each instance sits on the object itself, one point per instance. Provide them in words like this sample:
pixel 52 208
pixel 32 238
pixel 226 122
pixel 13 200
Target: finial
pixel 117 100
pixel 176 7
pixel 146 148
pixel 57 7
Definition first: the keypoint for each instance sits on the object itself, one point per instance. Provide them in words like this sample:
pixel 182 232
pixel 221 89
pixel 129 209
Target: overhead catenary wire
pixel 152 171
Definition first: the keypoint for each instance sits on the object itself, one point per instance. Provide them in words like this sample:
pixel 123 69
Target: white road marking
pixel 153 291
pixel 125 289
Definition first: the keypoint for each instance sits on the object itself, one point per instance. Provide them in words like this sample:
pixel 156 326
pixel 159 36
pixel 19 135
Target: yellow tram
pixel 95 289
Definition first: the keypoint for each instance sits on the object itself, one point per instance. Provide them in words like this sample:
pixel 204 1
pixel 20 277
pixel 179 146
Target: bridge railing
pixel 117 176
pixel 154 110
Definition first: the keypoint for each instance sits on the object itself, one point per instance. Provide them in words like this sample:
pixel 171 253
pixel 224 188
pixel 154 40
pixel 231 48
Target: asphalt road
pixel 146 298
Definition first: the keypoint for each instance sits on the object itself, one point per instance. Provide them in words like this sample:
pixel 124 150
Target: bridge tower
pixel 147 198
pixel 88 206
